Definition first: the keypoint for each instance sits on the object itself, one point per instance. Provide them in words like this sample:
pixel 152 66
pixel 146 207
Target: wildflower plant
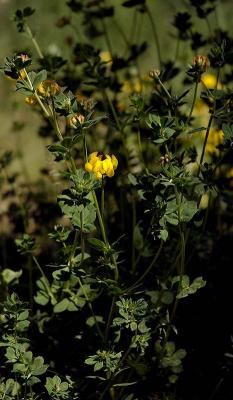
pixel 104 284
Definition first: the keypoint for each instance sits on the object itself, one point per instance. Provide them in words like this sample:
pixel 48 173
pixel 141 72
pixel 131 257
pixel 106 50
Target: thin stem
pixel 36 95
pixel 85 153
pixel 135 284
pixel 101 224
pixel 107 38
pixel 177 49
pixel 204 144
pixel 134 217
pixel 102 199
pixel 193 102
pixel 209 125
pixel 74 246
pixel 46 282
pixel 34 41
pixel 117 121
pixel 30 282
pixel 155 34
pixel 140 144
pixel 145 238
pixel 82 238
pixel 56 126
pixel 163 87
pixel 90 306
pixel 110 317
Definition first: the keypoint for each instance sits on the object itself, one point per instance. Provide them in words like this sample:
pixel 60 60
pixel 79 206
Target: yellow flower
pixel 101 164
pixel 210 80
pixel 215 138
pixel 48 88
pixel 230 173
pixel 106 57
pixel 30 100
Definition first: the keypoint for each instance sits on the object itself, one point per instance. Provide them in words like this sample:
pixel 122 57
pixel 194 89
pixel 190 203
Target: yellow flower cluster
pixel 48 88
pixel 101 164
pixel 30 100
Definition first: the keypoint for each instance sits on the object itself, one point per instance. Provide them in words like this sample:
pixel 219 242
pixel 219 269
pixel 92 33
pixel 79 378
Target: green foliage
pixel 106 360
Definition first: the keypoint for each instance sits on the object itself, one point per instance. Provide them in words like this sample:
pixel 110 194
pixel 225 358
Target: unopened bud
pixel 154 73
pixel 201 62
pixel 75 119
pixel 164 159
pixel 24 57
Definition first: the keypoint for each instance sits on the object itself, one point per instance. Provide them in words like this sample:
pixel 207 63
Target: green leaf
pixel 132 179
pixel 153 119
pixel 98 365
pixel 61 306
pixel 187 210
pixel 180 354
pixel 23 315
pixel 41 76
pixel 38 367
pixel 41 298
pixel 163 234
pixel 91 320
pixel 9 275
pixel 82 217
pixel 98 244
pixel 186 290
pixel 228 131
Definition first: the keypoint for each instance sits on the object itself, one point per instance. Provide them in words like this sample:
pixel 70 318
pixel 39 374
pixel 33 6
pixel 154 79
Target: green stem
pixel 135 284
pixel 84 147
pixel 119 126
pixel 46 282
pixel 110 317
pixel 82 238
pixel 101 224
pixel 209 125
pixel 30 282
pixel 145 238
pixel 163 87
pixel 193 102
pixel 74 246
pixel 140 145
pixel 107 37
pixel 204 144
pixel 90 306
pixel 155 34
pixel 34 41
pixel 134 217
pixel 177 49
pixel 102 200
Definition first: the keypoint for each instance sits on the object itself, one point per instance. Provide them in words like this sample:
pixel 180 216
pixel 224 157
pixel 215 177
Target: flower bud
pixel 75 119
pixel 164 160
pixel 30 100
pixel 200 62
pixel 154 73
